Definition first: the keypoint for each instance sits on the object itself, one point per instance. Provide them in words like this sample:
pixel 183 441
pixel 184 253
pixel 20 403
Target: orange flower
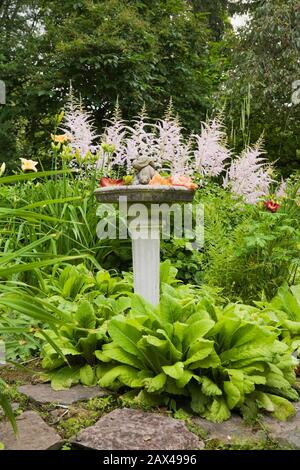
pixel 184 181
pixel 158 180
pixel 61 139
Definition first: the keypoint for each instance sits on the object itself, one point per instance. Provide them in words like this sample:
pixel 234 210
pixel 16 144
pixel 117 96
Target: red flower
pixel 271 206
pixel 104 182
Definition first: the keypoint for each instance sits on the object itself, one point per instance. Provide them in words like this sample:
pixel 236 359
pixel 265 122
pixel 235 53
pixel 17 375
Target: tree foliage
pixel 139 51
pixel 265 64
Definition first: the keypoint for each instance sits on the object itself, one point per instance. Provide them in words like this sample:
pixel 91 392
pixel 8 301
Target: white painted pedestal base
pixel 146 260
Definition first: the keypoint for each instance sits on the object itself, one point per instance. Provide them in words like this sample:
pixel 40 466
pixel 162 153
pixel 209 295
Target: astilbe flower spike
pixel 211 152
pixel 78 125
pixel 114 135
pixel 249 175
pixel 173 150
pixel 141 141
pixel 281 191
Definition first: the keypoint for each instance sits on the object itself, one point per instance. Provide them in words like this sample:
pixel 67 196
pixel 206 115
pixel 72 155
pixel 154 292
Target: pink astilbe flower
pixel 114 135
pixel 211 152
pixel 181 163
pixel 78 124
pixel 173 151
pixel 249 175
pixel 281 191
pixel 140 142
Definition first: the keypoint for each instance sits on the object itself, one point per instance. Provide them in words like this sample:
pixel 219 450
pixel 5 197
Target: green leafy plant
pixel 283 311
pixel 203 353
pixel 76 311
pixel 258 256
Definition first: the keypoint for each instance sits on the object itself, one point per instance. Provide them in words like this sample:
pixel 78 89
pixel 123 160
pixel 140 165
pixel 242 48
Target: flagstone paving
pixel 33 434
pixel 285 433
pixel 132 429
pixel 128 429
pixel 43 393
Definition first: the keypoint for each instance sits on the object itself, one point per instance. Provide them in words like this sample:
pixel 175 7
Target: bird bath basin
pixel 151 203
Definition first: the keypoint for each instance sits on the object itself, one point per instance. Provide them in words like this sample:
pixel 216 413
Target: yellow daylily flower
pixel 28 165
pixel 61 139
pixel 2 169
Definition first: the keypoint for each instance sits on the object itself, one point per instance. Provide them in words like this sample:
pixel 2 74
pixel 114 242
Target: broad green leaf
pixel 167 272
pixel 292 326
pixel 175 354
pixel 126 375
pixel 264 401
pixel 210 388
pixel 125 335
pixel 248 333
pixel 195 331
pixel 147 400
pixel 121 304
pixel 111 351
pixel 156 384
pixel 87 345
pixel 212 360
pixel 87 375
pixel 170 309
pixel 140 306
pixel 277 381
pixel 218 411
pixel 175 371
pixel 233 394
pixel 172 388
pixel 199 350
pixel 64 378
pixel 255 351
pixel 184 379
pixel 85 315
pixel 199 401
pixel 283 408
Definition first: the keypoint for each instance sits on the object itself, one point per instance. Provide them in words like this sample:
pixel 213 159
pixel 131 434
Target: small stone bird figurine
pixel 146 169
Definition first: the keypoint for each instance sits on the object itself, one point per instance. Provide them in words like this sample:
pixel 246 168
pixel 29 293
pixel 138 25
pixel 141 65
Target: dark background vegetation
pixel 146 51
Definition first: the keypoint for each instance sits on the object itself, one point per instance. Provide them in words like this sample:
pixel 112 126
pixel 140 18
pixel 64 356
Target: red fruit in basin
pixel 104 182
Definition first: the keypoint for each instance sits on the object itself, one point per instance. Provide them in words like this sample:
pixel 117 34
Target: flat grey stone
pixel 129 429
pixel 43 393
pixel 234 432
pixel 33 434
pixel 285 433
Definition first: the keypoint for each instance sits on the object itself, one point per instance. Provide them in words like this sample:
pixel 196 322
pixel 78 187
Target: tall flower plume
pixel 114 135
pixel 211 153
pixel 140 141
pixel 249 175
pixel 172 149
pixel 78 125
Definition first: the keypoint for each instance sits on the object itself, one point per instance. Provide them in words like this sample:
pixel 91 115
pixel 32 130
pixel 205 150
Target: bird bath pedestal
pixel 146 206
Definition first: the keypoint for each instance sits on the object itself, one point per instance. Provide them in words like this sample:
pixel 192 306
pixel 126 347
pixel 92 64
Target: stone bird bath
pixel 146 238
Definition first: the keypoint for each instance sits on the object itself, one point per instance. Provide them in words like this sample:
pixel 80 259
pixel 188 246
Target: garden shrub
pixel 207 354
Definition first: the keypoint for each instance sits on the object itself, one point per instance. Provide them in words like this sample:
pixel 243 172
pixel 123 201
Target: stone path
pixel 128 429
pixel 285 433
pixel 33 434
pixel 43 393
pixel 131 429
pixel 233 432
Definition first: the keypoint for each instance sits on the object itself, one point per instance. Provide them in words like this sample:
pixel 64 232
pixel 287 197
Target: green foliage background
pixel 143 51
